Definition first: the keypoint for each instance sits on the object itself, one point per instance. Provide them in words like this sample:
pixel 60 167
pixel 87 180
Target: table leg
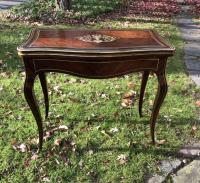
pixel 145 76
pixel 43 81
pixel 32 102
pixel 161 93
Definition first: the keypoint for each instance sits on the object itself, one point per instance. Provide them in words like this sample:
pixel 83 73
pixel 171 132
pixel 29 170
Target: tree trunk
pixel 63 4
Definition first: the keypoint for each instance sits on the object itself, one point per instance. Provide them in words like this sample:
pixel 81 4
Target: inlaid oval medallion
pixel 97 38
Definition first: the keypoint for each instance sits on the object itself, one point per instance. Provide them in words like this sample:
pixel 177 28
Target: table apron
pixel 95 69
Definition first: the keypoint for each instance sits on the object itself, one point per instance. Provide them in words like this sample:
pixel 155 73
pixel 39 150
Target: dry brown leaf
pixel 65 160
pixel 194 129
pixel 116 114
pixel 26 163
pixel 46 179
pixel 34 157
pixel 57 89
pixel 151 102
pixel 130 94
pixel 198 103
pixel 21 148
pixel 114 130
pixel 117 86
pixel 57 142
pixel 122 159
pixel 5 74
pixel 74 100
pixel 126 103
pixel 72 80
pixel 49 133
pixel 161 142
pixel 131 85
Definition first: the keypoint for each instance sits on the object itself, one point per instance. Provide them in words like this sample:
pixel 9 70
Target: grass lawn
pixel 104 141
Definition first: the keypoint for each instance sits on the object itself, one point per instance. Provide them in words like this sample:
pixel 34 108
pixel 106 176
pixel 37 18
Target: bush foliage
pixel 46 11
pixel 84 10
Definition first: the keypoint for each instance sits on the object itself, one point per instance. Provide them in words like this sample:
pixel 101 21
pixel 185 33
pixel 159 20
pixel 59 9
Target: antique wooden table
pixel 94 54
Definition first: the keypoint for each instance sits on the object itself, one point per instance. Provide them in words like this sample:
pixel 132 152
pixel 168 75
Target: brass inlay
pixel 97 38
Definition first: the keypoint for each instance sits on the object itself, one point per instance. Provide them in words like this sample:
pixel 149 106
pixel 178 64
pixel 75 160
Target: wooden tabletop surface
pixel 94 41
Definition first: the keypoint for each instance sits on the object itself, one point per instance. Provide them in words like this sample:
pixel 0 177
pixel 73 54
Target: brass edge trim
pixel 75 50
pixel 103 55
pixel 163 41
pixel 28 40
pixel 36 37
pixel 155 37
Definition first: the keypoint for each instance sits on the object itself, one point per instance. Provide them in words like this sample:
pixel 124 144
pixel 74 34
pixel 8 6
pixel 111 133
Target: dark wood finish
pixel 145 76
pixel 43 81
pixel 125 51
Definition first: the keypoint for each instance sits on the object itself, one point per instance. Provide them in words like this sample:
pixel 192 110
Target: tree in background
pixel 63 4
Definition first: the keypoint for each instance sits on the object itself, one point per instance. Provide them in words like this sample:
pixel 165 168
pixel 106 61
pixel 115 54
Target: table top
pixel 94 42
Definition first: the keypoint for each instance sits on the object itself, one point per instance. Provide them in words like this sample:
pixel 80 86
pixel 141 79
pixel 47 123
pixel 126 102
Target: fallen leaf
pixel 72 80
pixel 57 142
pixel 74 100
pixel 46 179
pixel 131 85
pixel 129 94
pixel 122 159
pixel 65 160
pixel 63 127
pixel 101 117
pixel 104 133
pixel 21 147
pixel 194 129
pixel 97 127
pixel 126 103
pixel 49 133
pixel 151 102
pixel 26 163
pixel 116 114
pixel 34 157
pixel 23 73
pixel 91 152
pixel 117 86
pixel 114 130
pixel 1 63
pixel 160 142
pixel 103 95
pixel 198 103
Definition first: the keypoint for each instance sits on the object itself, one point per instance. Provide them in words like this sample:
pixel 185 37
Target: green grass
pixel 89 117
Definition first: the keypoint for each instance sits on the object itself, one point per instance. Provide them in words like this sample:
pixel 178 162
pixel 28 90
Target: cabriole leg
pixel 145 76
pixel 43 81
pixel 161 93
pixel 32 102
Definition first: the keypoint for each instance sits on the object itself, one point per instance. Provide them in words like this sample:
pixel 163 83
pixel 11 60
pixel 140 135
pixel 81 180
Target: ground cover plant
pixel 92 134
pixel 195 6
pixel 45 11
pixel 90 10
